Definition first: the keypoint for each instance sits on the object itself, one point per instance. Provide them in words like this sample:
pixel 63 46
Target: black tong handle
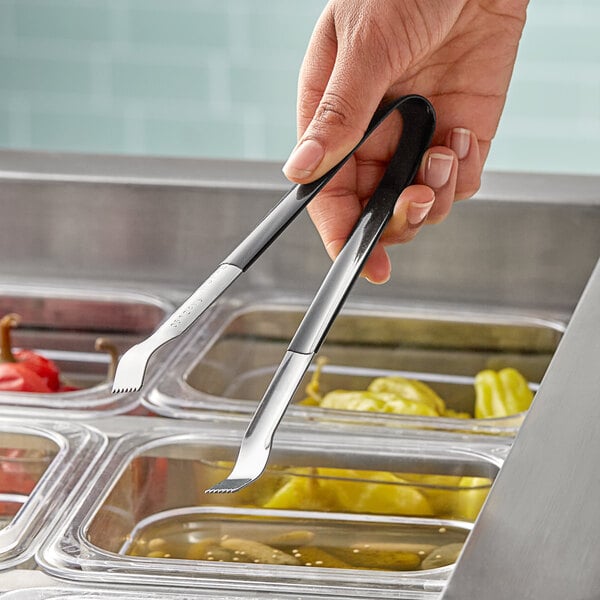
pixel 417 131
pixel 419 124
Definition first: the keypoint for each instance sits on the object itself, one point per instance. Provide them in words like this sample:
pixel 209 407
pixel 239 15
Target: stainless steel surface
pixel 525 246
pixel 537 536
pixel 417 132
pixel 112 220
pixel 132 365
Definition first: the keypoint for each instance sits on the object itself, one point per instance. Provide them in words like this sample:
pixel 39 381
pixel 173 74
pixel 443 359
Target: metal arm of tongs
pixel 417 131
pixel 418 125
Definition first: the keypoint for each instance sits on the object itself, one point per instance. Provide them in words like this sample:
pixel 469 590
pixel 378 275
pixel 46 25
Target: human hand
pixel 457 53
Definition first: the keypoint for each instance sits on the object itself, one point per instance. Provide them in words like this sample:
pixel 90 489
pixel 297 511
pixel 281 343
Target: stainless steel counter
pixel 526 241
pixel 537 534
pixel 525 247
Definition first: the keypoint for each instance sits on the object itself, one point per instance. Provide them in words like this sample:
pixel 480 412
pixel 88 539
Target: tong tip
pixel 124 382
pixel 129 375
pixel 124 390
pixel 228 486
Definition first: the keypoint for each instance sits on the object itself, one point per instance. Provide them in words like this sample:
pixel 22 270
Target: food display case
pixel 41 465
pixel 119 593
pixel 62 323
pixel 355 502
pixel 330 514
pixel 230 360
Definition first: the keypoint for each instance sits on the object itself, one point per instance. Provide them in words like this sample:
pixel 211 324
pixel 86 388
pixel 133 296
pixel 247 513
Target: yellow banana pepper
pixel 303 491
pixel 347 400
pixel 385 402
pixel 374 492
pixel 344 490
pixel 385 394
pixel 472 495
pixel 402 406
pixel 408 389
pixel 500 394
pixel 440 490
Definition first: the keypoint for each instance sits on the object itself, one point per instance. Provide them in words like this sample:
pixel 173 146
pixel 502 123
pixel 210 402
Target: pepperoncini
pixel 349 400
pixel 472 495
pixel 302 491
pixel 385 394
pixel 408 389
pixel 374 492
pixel 440 490
pixel 500 394
pixel 345 490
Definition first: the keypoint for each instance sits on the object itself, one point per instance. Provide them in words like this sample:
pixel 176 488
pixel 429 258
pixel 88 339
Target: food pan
pixel 230 361
pixel 63 324
pixel 146 519
pixel 40 462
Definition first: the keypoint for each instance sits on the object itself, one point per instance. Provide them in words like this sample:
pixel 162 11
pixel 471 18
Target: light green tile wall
pixel 84 22
pixel 4 124
pixel 551 120
pixel 218 78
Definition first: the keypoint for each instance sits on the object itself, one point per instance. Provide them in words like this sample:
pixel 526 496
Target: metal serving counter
pixel 103 494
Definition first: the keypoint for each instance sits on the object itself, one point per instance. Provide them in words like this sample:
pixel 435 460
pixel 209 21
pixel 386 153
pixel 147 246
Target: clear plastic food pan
pixel 62 324
pixel 227 365
pixel 123 593
pixel 41 463
pixel 330 515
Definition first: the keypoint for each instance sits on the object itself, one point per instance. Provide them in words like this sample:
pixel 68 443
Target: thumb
pixel 337 117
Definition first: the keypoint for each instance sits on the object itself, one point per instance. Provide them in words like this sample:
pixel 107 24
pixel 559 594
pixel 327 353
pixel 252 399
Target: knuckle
pixel 308 99
pixel 334 111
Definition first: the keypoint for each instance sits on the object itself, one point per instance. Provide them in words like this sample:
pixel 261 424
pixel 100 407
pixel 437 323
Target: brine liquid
pixel 342 545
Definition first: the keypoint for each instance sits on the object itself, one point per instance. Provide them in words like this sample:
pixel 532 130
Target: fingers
pixel 334 104
pixel 465 145
pixel 442 177
pixel 410 213
pixel 453 171
pixel 439 171
pixel 428 200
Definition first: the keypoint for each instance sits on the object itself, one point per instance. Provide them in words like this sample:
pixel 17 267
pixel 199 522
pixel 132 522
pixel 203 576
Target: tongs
pixel 418 125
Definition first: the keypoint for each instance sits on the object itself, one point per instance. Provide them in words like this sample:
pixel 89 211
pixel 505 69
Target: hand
pixel 458 53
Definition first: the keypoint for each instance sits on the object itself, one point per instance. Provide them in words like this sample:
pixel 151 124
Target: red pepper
pixel 24 370
pixel 13 479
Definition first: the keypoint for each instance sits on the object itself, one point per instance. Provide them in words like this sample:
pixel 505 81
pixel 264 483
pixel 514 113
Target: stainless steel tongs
pixel 418 125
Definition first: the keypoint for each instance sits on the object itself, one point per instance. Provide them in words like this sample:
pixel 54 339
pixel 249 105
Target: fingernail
pixel 460 142
pixel 304 159
pixel 378 282
pixel 417 213
pixel 437 170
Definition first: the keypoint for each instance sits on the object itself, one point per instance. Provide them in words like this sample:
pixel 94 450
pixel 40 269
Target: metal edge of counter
pixel 537 535
pixel 255 174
